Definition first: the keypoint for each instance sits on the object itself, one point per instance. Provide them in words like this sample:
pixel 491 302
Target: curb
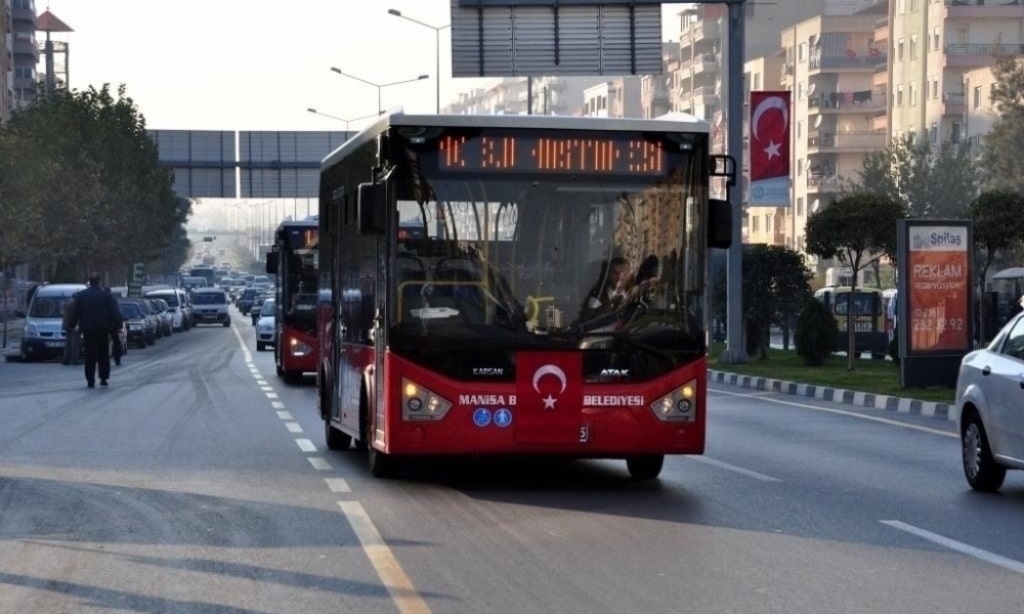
pixel 869 400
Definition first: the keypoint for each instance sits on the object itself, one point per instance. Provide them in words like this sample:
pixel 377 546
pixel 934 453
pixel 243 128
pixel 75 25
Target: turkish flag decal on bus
pixel 549 392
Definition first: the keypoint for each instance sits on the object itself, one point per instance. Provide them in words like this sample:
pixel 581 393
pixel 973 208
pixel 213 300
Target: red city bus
pixel 293 259
pixel 468 305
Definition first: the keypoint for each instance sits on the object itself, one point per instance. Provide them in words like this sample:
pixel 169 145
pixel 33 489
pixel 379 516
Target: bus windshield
pixel 592 261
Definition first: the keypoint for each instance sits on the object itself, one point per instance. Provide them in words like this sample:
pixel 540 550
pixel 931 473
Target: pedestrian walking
pixel 95 313
pixel 72 337
pixel 116 349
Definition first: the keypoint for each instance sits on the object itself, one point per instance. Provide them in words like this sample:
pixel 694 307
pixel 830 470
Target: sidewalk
pixel 14 329
pixel 906 405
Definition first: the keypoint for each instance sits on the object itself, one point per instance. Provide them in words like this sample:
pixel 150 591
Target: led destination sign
pixel 597 154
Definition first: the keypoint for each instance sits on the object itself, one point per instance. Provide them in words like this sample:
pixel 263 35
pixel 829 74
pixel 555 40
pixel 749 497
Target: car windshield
pixel 209 298
pixel 170 299
pixel 48 306
pixel 130 310
pixel 268 308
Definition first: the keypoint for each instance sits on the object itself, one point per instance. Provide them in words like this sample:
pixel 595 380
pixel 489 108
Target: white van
pixel 43 337
pixel 176 300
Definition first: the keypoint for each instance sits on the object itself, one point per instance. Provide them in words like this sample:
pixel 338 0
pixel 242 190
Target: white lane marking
pixel 337 485
pixel 734 468
pixel 272 395
pixel 319 463
pixel 285 415
pixel 306 445
pixel 390 572
pixel 262 382
pixel 913 427
pixel 255 373
pixel 293 427
pixel 267 388
pixel 952 544
pixel 277 404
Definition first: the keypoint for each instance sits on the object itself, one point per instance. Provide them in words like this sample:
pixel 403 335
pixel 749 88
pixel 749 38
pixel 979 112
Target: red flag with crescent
pixel 769 135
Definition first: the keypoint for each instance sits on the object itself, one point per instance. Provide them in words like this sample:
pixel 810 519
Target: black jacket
pixel 96 310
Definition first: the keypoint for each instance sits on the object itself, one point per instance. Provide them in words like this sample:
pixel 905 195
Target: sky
pixel 259 64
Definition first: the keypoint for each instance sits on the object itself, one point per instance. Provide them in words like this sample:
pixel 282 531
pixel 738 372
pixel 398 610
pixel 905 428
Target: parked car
pixel 165 321
pixel 265 326
pixel 141 326
pixel 989 390
pixel 43 336
pixel 175 299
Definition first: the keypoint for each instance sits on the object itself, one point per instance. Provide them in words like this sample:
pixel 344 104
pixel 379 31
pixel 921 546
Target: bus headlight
pixel 298 348
pixel 677 406
pixel 419 403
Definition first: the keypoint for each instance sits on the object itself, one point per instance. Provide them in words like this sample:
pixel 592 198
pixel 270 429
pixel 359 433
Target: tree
pixel 776 282
pixel 83 187
pixel 998 228
pixel 1002 152
pixel 858 229
pixel 930 181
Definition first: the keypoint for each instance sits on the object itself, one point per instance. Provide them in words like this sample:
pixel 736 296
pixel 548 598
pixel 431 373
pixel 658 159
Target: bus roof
pixel 673 122
pixel 311 221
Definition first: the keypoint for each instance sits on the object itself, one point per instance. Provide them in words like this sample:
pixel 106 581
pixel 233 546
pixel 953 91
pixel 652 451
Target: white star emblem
pixel 773 149
pixel 549 402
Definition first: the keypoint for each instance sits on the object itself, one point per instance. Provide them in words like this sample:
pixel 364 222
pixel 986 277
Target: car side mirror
pixel 719 224
pixel 372 205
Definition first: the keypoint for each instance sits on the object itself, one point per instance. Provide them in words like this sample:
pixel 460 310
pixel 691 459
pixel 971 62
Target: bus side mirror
pixel 373 209
pixel 719 224
pixel 272 263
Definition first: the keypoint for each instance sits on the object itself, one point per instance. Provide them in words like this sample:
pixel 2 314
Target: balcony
pixel 705 29
pixel 984 9
pixel 860 101
pixel 953 103
pixel 851 62
pixel 973 55
pixel 832 142
pixel 823 184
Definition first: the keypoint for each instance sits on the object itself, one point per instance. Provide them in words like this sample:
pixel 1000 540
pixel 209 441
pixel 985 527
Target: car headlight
pixel 678 405
pixel 31 330
pixel 418 403
pixel 135 326
pixel 298 348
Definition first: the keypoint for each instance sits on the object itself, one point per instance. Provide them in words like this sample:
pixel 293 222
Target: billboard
pixel 938 287
pixel 769 149
pixel 935 299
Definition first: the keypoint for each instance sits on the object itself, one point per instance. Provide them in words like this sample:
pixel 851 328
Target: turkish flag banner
pixel 769 148
pixel 549 391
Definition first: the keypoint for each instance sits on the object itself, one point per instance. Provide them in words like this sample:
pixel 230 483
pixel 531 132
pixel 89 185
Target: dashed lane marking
pixel 293 427
pixel 271 395
pixel 306 445
pixel 285 415
pixel 402 592
pixel 952 544
pixel 277 404
pixel 337 485
pixel 740 470
pixel 320 464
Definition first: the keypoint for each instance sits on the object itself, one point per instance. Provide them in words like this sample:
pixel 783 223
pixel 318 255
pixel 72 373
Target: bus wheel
pixel 382 465
pixel 336 440
pixel 645 467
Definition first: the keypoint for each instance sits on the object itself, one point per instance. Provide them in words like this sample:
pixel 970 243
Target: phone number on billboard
pixel 938 324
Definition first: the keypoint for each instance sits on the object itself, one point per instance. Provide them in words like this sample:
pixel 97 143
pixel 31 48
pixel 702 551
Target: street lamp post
pixel 379 86
pixel 342 119
pixel 437 48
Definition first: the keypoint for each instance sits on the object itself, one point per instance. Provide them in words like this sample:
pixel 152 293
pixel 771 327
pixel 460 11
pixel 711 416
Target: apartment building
pixel 655 99
pixel 979 110
pixel 615 98
pixel 24 50
pixel 935 44
pixel 6 62
pixel 830 66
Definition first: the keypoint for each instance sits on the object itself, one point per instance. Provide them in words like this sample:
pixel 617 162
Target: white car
pixel 265 326
pixel 990 398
